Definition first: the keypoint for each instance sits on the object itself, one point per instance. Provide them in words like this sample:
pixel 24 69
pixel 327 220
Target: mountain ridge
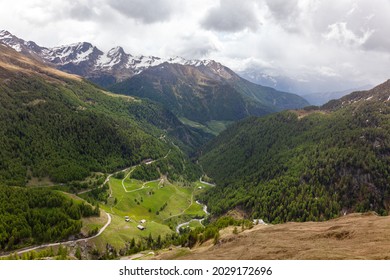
pixel 87 60
pixel 207 92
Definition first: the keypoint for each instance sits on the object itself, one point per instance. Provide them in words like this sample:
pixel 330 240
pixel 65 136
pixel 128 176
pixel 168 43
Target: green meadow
pixel 161 203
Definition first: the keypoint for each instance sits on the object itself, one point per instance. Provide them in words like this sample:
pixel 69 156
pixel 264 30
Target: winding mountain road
pixel 198 220
pixel 22 251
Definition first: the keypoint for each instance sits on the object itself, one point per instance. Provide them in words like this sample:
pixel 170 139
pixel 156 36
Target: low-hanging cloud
pixel 231 16
pixel 192 46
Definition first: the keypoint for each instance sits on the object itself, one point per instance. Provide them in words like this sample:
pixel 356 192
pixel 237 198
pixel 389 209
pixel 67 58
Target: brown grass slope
pixel 12 62
pixel 355 236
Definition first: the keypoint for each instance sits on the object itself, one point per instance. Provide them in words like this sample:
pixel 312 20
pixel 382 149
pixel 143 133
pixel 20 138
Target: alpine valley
pixel 109 156
pixel 203 93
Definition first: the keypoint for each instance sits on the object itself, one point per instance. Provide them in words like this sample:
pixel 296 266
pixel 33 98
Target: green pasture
pixel 161 203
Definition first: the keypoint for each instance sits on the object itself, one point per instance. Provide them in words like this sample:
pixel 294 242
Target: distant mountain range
pixel 311 87
pixel 198 90
pixel 88 61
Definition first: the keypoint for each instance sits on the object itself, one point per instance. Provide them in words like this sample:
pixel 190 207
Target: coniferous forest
pixel 30 216
pixel 286 167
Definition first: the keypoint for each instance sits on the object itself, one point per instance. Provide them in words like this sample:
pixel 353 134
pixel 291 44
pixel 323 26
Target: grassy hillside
pixel 345 238
pixel 304 165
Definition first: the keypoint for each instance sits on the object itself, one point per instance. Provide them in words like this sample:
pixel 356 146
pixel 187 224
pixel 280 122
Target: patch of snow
pixel 103 61
pixel 369 98
pixel 176 59
pixel 115 51
pixel 140 63
pixel 17 47
pixel 83 56
pixel 112 58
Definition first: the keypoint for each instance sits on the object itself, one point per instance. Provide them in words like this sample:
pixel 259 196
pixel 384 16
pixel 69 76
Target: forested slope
pixel 30 216
pixel 312 164
pixel 57 125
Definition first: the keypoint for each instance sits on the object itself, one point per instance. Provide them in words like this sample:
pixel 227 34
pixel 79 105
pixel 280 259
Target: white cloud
pixel 340 33
pixel 192 46
pixel 311 40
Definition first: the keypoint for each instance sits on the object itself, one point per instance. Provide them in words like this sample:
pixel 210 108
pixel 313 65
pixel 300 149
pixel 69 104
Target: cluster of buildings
pixel 141 226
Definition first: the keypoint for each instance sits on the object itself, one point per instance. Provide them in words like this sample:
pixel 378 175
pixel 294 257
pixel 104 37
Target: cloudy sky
pixel 328 44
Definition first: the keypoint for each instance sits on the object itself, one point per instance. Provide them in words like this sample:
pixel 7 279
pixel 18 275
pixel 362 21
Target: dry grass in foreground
pixel 355 236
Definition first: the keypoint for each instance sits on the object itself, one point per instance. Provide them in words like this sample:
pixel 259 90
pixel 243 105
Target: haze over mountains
pixel 310 87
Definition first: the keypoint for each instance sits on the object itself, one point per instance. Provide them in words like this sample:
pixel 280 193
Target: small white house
pixel 142 221
pixel 140 227
pixel 127 219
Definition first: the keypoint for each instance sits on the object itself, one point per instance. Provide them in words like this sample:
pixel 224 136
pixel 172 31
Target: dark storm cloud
pixel 285 13
pixel 146 11
pixel 282 9
pixel 231 16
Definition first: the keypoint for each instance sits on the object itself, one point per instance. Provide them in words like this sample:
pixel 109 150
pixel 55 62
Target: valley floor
pixel 355 236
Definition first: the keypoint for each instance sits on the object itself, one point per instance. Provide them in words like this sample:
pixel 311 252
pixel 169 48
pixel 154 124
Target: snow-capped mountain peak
pixel 14 42
pixel 74 53
pixel 117 51
pixel 85 59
